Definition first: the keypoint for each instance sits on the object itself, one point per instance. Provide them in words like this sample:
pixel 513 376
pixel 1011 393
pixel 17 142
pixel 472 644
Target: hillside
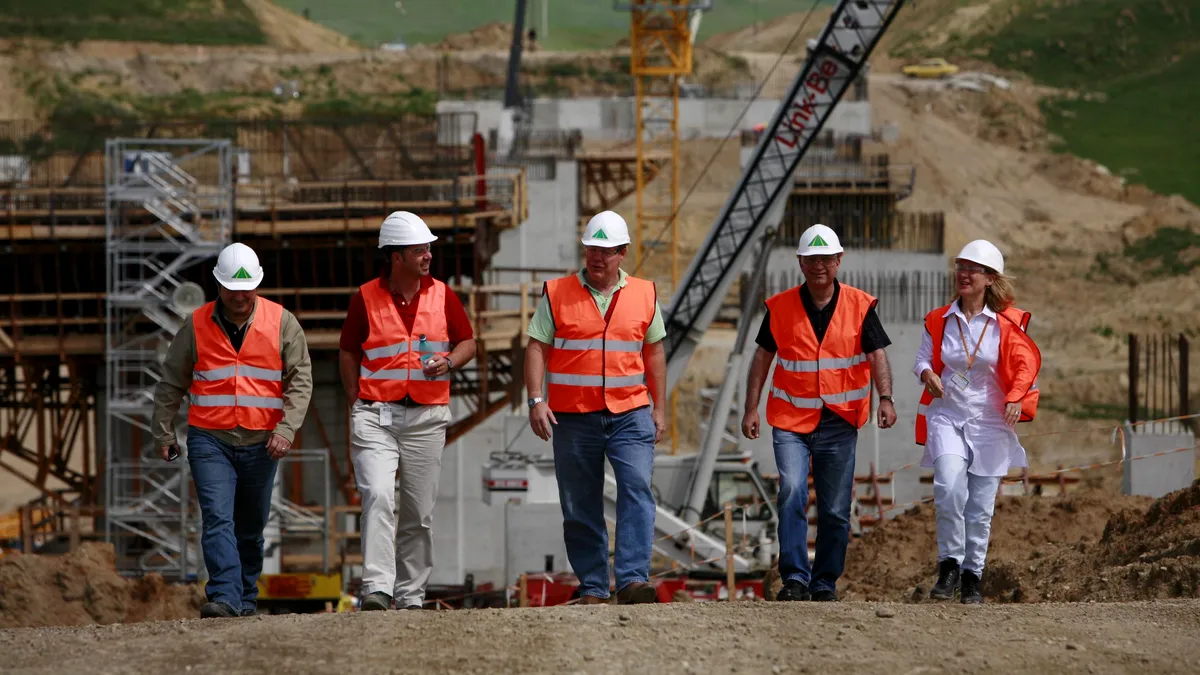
pixel 1125 71
pixel 571 25
pixel 204 22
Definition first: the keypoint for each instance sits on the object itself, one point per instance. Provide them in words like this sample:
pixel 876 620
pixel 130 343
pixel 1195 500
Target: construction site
pixel 718 152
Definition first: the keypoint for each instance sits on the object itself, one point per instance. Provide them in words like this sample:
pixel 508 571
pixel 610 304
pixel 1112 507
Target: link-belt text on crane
pixel 802 111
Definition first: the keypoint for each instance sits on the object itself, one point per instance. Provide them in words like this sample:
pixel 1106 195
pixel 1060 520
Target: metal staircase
pixel 148 515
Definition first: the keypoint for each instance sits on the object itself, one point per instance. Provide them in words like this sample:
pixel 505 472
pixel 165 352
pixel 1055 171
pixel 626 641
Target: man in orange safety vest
pixel 243 363
pixel 596 340
pixel 830 345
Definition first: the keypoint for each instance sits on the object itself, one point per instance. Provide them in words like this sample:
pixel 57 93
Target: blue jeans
pixel 233 486
pixel 581 442
pixel 831 448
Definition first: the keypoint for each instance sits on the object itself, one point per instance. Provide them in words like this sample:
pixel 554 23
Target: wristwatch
pixel 449 364
pixel 888 398
pixel 535 400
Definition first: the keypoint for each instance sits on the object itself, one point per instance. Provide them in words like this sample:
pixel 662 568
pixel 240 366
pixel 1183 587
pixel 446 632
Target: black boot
pixel 947 583
pixel 793 591
pixel 970 589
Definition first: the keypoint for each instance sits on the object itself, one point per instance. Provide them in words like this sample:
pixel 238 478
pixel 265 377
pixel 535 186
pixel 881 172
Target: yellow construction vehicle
pixel 931 68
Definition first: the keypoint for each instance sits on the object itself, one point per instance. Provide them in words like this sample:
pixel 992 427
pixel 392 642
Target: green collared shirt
pixel 181 360
pixel 541 326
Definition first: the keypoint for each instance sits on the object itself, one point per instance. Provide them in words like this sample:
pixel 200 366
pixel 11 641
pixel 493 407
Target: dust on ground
pixel 1089 546
pixel 83 587
pixel 701 637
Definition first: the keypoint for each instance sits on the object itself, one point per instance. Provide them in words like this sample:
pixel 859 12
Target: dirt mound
pixel 496 35
pixel 897 561
pixel 83 587
pixel 287 30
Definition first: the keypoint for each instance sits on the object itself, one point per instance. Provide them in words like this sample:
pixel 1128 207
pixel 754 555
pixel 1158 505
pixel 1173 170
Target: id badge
pixel 960 380
pixel 385 415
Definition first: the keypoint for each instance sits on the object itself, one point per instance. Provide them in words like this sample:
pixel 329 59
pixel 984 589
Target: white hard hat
pixel 984 253
pixel 238 269
pixel 607 230
pixel 402 228
pixel 819 240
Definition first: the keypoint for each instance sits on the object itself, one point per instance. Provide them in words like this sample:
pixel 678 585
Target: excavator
pixel 738 236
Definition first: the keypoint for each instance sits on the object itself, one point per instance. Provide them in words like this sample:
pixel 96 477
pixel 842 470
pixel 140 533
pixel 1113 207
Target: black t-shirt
pixel 873 335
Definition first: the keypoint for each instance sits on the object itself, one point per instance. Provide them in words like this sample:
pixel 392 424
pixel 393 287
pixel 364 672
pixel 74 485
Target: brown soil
pixel 492 36
pixel 691 637
pixel 83 587
pixel 288 30
pixel 1087 546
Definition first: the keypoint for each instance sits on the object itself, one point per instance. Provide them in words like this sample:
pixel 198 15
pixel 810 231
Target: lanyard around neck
pixel 962 334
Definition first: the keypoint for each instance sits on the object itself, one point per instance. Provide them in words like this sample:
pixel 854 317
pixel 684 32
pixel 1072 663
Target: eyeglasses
pixel 819 260
pixel 604 252
pixel 963 267
pixel 419 250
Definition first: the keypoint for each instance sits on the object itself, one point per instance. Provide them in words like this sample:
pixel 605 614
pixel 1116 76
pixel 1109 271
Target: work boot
pixel 376 601
pixel 249 611
pixel 824 596
pixel 637 593
pixel 970 589
pixel 593 600
pixel 793 591
pixel 947 583
pixel 217 610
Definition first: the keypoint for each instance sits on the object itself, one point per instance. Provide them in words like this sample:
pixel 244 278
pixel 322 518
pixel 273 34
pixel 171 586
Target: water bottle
pixel 424 351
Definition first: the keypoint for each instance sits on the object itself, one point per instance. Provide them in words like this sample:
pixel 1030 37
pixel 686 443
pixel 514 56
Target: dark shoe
pixel 948 579
pixel 970 589
pixel 249 612
pixel 410 607
pixel 593 600
pixel 376 601
pixel 637 593
pixel 217 610
pixel 793 591
pixel 824 596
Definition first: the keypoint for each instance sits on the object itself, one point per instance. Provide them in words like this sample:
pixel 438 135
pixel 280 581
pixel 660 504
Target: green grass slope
pixel 1141 56
pixel 572 24
pixel 208 22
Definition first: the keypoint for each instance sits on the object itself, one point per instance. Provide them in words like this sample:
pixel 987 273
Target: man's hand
pixel 750 424
pixel 277 446
pixel 933 383
pixel 540 419
pixel 660 423
pixel 436 366
pixel 164 451
pixel 887 414
pixel 1012 413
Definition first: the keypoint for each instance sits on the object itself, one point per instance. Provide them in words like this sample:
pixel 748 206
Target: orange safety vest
pixel 1017 352
pixel 241 388
pixel 596 361
pixel 391 360
pixel 833 373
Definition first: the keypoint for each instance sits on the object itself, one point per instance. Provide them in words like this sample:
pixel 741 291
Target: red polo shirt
pixel 356 327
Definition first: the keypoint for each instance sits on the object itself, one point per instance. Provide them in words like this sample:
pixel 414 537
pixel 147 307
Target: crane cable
pixel 732 130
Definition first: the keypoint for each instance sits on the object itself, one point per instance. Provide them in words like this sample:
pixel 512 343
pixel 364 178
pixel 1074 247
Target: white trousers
pixel 965 503
pixel 410 448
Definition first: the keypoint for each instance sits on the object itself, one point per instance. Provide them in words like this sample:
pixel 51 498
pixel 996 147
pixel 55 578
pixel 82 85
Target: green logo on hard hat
pixel 817 241
pixel 242 274
pixel 600 235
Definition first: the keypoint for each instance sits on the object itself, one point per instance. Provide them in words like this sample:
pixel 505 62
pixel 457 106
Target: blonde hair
pixel 999 295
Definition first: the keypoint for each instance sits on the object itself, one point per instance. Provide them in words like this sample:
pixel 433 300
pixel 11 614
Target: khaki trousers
pixel 409 449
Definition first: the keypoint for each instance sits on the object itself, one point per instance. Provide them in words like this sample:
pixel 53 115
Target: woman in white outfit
pixel 979 368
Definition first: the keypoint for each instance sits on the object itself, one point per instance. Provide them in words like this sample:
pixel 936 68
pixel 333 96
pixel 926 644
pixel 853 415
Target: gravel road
pixel 747 637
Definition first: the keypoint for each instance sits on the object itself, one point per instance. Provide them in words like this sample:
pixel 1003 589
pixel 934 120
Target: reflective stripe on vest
pixel 595 365
pixel 811 375
pixel 1014 341
pixel 391 362
pixel 242 388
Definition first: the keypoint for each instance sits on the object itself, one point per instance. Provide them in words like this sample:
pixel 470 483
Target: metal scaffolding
pixel 150 516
